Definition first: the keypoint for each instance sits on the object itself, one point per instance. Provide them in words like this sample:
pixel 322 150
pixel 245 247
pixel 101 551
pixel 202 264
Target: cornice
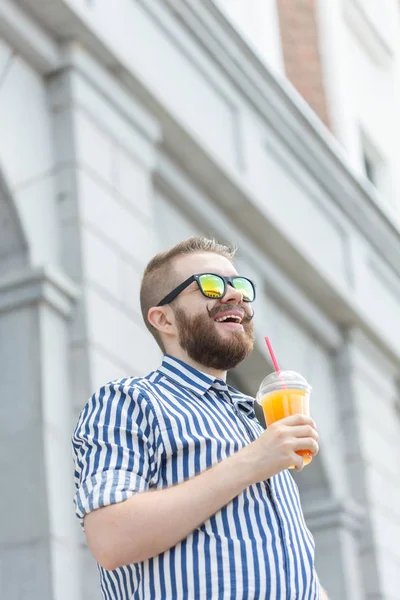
pixel 28 37
pixel 35 286
pixel 272 96
pixel 293 121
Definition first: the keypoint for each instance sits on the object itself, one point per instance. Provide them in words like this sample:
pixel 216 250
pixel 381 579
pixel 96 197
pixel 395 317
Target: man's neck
pixel 181 355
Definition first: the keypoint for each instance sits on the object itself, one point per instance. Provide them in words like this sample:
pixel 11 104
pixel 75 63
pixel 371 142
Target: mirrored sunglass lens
pixel 212 286
pixel 244 286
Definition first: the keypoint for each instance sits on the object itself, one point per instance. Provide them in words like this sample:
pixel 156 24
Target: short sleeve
pixel 114 449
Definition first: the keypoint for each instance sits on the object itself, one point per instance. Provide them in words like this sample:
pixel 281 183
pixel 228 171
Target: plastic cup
pixel 284 394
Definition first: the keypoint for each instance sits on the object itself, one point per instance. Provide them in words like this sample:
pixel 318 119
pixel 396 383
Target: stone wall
pixel 122 150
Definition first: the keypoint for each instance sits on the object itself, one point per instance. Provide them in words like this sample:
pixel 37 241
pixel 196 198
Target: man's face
pixel 217 345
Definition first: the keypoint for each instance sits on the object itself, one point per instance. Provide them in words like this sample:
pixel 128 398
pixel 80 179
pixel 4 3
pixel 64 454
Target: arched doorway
pixel 14 252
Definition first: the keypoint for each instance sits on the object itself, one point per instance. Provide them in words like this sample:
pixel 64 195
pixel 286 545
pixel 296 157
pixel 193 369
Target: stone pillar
pixel 106 148
pixel 37 535
pixel 336 526
pixel 370 426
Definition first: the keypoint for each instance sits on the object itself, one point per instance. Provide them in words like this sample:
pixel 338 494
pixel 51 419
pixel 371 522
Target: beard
pixel 200 338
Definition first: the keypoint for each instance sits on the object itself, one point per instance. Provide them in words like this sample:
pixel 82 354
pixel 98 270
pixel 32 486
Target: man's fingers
pixel 306 444
pixel 298 419
pixel 298 462
pixel 304 431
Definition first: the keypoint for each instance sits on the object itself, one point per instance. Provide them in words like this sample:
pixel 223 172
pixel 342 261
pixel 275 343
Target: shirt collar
pixel 200 383
pixel 189 377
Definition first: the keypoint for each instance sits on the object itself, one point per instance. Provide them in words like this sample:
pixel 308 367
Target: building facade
pixel 123 129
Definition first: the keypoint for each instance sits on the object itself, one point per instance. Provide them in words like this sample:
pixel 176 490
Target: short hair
pixel 159 277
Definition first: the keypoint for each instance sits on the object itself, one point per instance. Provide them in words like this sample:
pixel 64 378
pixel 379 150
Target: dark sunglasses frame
pixel 227 280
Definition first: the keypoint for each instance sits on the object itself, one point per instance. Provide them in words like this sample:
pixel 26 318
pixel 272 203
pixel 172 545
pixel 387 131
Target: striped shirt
pixel 138 434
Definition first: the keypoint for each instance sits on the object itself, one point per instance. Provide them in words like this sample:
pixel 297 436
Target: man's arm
pixel 151 522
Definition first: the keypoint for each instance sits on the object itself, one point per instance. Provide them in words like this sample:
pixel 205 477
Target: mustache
pixel 217 310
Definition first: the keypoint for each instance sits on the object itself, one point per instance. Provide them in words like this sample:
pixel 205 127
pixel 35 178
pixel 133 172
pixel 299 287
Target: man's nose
pixel 232 295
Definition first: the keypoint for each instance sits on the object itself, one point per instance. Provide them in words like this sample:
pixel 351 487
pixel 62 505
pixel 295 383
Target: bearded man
pixel 181 493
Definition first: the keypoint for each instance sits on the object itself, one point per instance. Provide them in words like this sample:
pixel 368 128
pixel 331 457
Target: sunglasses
pixel 215 286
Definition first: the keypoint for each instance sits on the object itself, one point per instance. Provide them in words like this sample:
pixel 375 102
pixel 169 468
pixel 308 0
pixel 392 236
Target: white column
pixel 336 527
pixel 370 430
pixel 38 548
pixel 106 148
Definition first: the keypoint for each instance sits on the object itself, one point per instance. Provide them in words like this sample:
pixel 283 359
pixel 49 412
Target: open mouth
pixel 230 319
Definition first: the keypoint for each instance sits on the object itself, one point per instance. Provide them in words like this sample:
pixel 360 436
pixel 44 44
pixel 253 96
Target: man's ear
pixel 161 318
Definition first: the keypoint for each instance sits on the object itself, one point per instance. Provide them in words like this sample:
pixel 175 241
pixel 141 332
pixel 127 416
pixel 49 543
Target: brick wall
pixel 299 34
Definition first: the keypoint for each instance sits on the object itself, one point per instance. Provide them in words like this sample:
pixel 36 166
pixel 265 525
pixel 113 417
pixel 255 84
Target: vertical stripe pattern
pixel 160 430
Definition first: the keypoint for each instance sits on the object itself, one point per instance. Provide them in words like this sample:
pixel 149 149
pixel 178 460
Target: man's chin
pixel 224 354
pixel 240 345
pixel 229 334
pixel 223 363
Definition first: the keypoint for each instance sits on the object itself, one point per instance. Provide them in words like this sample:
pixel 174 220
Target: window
pixel 370 169
pixel 374 165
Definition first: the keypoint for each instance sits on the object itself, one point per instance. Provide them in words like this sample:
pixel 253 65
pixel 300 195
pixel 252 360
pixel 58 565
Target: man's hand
pixel 275 450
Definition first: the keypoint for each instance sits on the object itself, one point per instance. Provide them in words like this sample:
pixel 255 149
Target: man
pixel 181 493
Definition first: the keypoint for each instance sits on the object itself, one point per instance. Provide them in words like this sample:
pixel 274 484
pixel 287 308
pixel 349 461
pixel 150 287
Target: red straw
pixel 273 357
pixel 274 361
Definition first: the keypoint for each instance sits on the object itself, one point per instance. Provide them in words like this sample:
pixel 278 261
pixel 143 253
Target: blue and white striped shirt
pixel 147 433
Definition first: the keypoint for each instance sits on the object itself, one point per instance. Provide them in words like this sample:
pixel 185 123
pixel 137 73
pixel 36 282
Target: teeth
pixel 225 317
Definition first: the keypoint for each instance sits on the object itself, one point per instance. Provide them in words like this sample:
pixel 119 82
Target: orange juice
pixel 285 402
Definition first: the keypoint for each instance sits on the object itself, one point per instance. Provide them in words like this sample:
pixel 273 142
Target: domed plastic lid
pixel 275 381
